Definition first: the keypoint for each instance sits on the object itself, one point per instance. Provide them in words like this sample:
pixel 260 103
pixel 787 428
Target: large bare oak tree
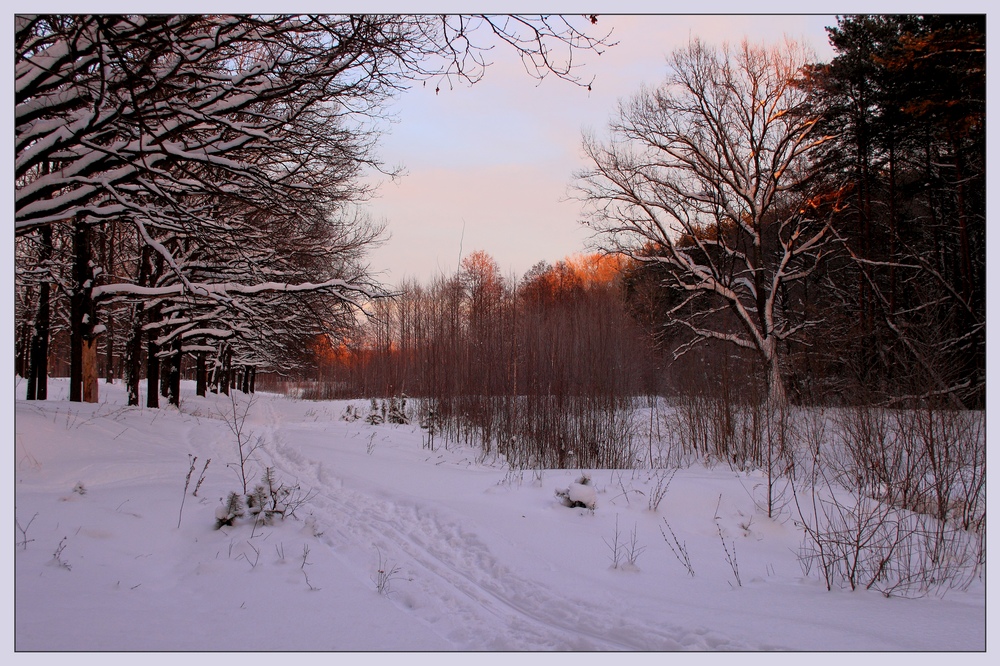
pixel 703 174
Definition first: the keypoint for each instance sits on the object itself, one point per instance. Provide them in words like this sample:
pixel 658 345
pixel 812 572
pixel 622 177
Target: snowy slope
pixel 478 558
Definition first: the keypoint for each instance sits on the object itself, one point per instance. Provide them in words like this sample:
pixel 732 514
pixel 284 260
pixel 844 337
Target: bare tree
pixel 703 176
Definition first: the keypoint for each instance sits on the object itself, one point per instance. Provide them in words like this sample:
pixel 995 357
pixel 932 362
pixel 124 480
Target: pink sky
pixel 497 158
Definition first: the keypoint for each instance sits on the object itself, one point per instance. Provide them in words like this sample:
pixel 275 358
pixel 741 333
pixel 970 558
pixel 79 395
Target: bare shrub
pixel 385 574
pixel 616 545
pixel 678 548
pixel 860 533
pixel 735 423
pixel 853 541
pixel 730 551
pixel 236 419
pixel 928 459
pixel 661 479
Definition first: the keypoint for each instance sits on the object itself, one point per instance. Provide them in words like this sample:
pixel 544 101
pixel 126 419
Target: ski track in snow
pixel 459 583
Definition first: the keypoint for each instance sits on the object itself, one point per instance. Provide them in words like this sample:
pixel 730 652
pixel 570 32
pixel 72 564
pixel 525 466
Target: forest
pixel 773 231
pixel 788 276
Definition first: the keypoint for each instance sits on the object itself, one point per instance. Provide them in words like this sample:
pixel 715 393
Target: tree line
pixel 188 187
pixel 545 369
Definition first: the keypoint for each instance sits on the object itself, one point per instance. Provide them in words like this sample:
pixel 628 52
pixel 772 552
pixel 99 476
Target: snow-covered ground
pixel 477 557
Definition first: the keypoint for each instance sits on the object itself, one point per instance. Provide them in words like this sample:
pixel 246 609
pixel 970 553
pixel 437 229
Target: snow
pixel 478 557
pixel 581 494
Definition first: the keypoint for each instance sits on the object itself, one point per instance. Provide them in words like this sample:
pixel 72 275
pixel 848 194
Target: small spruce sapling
pixel 374 417
pixel 268 499
pixel 397 411
pixel 226 513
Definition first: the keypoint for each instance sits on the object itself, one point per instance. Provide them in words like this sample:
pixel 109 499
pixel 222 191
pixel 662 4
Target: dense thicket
pixel 545 371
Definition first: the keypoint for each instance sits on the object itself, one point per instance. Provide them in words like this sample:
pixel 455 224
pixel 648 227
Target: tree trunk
pixel 226 370
pixel 89 369
pixel 133 351
pixel 152 374
pixel 81 308
pixel 776 396
pixel 110 349
pixel 215 381
pixel 108 248
pixel 133 347
pixel 38 365
pixel 892 226
pixel 201 374
pixel 75 360
pixel 963 226
pixel 38 372
pixel 165 377
pixel 22 344
pixel 174 375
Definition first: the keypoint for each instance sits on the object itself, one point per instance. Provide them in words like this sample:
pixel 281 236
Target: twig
pixel 305 556
pixel 385 574
pixel 253 565
pixel 187 481
pixel 57 556
pixel 615 547
pixel 677 548
pixel 201 479
pixel 23 543
pixel 632 549
pixel 730 557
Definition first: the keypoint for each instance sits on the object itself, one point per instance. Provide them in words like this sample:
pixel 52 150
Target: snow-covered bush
pixel 581 493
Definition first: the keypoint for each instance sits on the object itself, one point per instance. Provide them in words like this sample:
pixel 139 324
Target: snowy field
pixel 472 557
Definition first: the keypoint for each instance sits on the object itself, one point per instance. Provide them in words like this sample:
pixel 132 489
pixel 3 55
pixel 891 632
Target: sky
pixel 489 166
